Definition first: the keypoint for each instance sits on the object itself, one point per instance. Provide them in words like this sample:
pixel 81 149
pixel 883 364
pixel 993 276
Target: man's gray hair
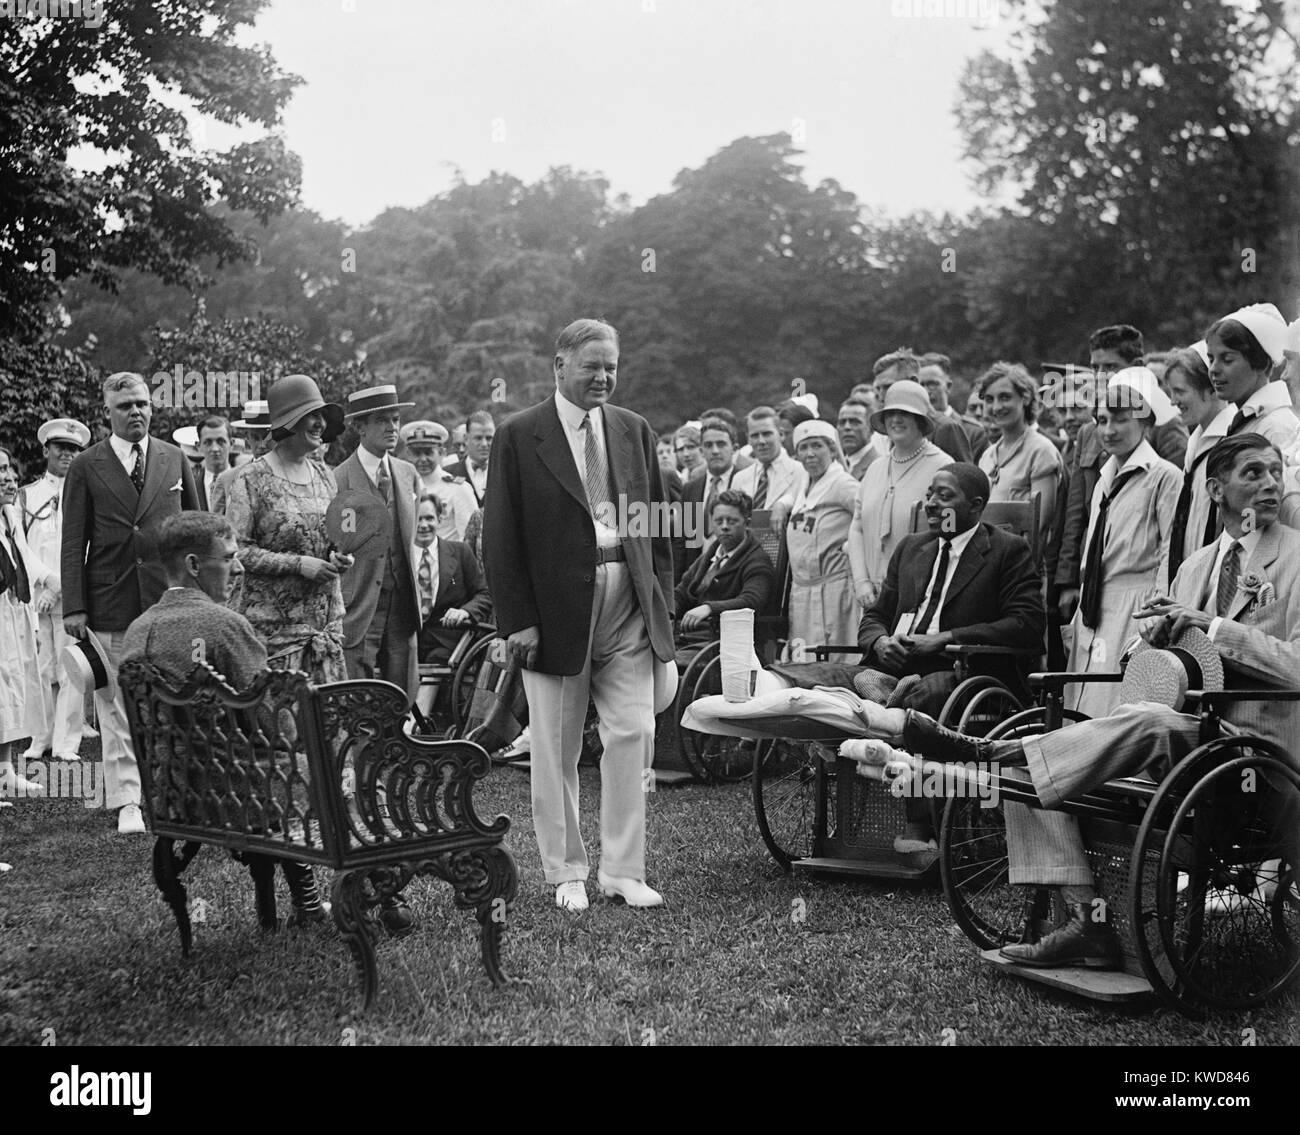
pixel 582 331
pixel 122 380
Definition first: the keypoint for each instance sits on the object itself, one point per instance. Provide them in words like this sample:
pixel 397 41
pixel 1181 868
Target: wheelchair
pixel 723 760
pixel 447 689
pixel 1199 871
pixel 815 814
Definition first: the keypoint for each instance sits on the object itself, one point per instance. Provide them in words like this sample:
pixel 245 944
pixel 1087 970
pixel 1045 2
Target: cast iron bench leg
pixel 350 907
pixel 262 869
pixel 167 868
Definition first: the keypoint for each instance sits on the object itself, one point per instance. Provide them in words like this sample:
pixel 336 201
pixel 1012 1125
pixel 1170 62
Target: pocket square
pixel 176 488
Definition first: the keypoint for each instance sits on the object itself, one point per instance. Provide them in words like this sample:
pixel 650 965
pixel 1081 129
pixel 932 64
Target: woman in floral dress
pixel 277 504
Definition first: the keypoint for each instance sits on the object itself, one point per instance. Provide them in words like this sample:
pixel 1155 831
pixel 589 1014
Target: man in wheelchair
pixel 963 582
pixel 1243 592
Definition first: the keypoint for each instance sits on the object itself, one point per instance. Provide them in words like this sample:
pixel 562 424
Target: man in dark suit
pixel 214 445
pixel 480 429
pixel 117 494
pixel 452 590
pixel 718 442
pixel 380 593
pixel 580 566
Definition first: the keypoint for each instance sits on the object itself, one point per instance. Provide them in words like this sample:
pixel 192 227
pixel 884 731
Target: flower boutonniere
pixel 1259 589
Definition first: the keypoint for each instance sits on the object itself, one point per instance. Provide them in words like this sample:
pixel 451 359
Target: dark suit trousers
pixel 385 652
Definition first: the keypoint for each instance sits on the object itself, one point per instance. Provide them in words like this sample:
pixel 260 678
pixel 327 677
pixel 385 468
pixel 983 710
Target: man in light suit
pixel 116 495
pixel 1219 590
pixel 774 480
pixel 583 595
pixel 380 592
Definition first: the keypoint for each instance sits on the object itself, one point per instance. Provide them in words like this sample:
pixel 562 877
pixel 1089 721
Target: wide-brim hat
pixel 87 665
pixel 911 398
pixel 1165 675
pixel 373 398
pixel 257 416
pixel 293 397
pixel 67 430
pixel 357 523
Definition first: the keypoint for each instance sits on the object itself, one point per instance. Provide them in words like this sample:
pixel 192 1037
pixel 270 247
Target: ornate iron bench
pixel 321 775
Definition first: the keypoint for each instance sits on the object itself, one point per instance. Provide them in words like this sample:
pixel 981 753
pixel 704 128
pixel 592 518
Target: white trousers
pixel 619 677
pixel 60 719
pixel 121 774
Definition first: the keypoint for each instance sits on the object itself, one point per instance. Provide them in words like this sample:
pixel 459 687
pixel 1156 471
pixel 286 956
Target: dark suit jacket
pixel 461 469
pixel 460 584
pixel 950 437
pixel 539 539
pixel 695 525
pixel 746 580
pixel 111 571
pixel 995 598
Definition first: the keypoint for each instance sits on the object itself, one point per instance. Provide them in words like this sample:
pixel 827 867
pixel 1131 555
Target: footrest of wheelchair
pixel 889 866
pixel 1096 984
pixel 672 777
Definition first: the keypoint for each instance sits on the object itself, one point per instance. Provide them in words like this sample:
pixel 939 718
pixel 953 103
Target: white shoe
pixel 11 784
pixel 634 892
pixel 73 756
pixel 571 895
pixel 521 746
pixel 130 821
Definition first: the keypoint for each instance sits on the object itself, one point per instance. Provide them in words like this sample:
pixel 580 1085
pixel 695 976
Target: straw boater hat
pixel 909 397
pixel 362 402
pixel 1165 676
pixel 293 397
pixel 423 433
pixel 256 417
pixel 66 430
pixel 187 437
pixel 86 663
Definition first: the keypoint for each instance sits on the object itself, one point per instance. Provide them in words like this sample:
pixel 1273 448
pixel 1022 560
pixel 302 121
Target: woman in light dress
pixel 1126 550
pixel 20 692
pixel 1021 462
pixel 891 488
pixel 822 609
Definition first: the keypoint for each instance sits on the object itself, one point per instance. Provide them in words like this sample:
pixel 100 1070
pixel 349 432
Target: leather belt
pixel 610 555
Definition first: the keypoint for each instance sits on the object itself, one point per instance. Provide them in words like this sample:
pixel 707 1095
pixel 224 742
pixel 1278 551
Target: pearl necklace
pixel 911 457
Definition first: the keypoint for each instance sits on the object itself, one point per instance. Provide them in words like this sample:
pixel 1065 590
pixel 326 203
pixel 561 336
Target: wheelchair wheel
pixel 978 705
pixel 462 682
pixel 794 789
pixel 1212 885
pixel 721 760
pixel 973 859
pixel 689 742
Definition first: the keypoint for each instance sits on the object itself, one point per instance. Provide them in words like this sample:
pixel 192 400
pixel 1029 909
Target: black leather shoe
pixel 935 742
pixel 1080 942
pixel 396 917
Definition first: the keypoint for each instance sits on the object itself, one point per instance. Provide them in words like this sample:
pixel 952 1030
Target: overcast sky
pixel 399 94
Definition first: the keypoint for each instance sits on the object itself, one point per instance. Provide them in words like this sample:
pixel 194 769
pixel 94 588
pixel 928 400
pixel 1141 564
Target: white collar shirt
pixel 571 416
pixel 122 448
pixel 957 545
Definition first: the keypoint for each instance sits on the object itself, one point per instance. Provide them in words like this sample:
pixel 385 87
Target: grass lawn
pixel 89 950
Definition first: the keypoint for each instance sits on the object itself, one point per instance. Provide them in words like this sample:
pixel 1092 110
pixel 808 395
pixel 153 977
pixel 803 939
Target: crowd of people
pixel 876 514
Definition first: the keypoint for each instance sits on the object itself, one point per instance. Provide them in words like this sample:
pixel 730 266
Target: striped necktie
pixel 597 478
pixel 760 490
pixel 1228 575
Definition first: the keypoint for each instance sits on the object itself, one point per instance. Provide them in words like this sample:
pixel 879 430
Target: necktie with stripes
pixel 597 474
pixel 1228 574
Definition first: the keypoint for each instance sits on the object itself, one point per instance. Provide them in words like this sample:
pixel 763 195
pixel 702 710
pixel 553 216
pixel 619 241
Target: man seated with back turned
pixel 1243 591
pixel 191 620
